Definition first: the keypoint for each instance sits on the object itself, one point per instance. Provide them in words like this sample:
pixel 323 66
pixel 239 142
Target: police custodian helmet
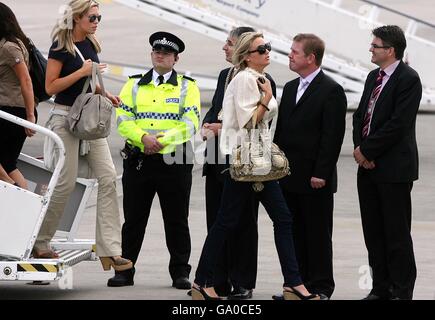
pixel 166 40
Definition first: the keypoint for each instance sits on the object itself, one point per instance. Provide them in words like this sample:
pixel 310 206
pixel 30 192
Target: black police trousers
pixel 172 183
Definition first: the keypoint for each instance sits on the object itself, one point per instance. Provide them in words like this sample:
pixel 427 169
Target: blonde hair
pixel 242 47
pixel 63 30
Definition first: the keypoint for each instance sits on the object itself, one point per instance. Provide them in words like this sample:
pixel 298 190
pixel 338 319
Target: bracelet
pixel 265 107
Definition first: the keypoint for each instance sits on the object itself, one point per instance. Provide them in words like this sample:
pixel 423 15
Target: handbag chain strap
pixel 254 125
pixel 231 74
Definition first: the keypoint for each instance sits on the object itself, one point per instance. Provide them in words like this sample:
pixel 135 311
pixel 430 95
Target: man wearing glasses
pixel 387 157
pixel 310 130
pixel 159 115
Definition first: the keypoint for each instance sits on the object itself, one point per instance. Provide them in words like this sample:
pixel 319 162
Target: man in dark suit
pixel 386 152
pixel 310 130
pixel 238 266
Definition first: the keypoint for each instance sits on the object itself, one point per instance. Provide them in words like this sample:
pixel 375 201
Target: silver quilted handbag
pixel 90 116
pixel 258 159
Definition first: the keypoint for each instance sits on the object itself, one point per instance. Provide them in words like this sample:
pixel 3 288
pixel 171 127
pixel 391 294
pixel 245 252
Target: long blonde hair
pixel 241 49
pixel 63 30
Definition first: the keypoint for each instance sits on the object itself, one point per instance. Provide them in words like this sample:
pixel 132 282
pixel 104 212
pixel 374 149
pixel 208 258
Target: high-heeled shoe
pixel 294 294
pixel 200 294
pixel 119 264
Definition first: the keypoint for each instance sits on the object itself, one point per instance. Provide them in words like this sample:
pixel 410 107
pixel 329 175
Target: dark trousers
pixel 235 196
pixel 312 229
pixel 12 137
pixel 172 183
pixel 386 220
pixel 237 263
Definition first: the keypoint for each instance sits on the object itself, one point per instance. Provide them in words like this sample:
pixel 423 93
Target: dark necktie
pixel 371 106
pixel 161 80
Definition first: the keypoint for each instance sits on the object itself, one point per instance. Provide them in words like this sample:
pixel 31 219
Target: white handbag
pixel 258 159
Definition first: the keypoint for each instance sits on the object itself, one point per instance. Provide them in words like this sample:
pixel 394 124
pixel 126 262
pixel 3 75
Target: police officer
pixel 159 115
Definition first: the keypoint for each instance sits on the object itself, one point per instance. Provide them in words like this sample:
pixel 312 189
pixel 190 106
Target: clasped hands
pixel 317 183
pixel 151 144
pixel 362 161
pixel 210 130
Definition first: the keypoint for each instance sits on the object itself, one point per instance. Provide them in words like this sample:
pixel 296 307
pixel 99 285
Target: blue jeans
pixel 234 197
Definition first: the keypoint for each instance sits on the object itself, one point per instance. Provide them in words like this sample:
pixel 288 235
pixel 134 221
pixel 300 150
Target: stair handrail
pixel 383 7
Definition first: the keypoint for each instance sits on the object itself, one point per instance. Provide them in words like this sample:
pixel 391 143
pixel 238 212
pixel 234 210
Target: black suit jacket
pixel 216 107
pixel 391 141
pixel 311 132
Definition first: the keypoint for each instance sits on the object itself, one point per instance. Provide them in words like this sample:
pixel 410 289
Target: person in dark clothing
pixel 237 267
pixel 386 153
pixel 16 95
pixel 310 130
pixel 248 99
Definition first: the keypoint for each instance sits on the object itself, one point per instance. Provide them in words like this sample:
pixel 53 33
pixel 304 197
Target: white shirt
pixel 305 82
pixel 240 102
pixel 388 72
pixel 166 77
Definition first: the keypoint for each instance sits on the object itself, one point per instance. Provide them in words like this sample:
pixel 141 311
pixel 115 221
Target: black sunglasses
pixel 375 46
pixel 262 49
pixel 94 17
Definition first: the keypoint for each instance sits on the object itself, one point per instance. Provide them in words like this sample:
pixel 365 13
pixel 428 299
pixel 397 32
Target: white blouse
pixel 240 101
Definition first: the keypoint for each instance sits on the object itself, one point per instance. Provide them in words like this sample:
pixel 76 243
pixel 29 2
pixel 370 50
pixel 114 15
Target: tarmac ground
pixel 152 280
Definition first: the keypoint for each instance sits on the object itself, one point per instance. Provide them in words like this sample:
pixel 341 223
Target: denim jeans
pixel 234 197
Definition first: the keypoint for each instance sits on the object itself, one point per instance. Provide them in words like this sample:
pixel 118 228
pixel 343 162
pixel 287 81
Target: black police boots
pixel 240 293
pixel 182 283
pixel 122 278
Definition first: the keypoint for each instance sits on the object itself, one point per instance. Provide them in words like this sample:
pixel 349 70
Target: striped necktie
pixel 372 102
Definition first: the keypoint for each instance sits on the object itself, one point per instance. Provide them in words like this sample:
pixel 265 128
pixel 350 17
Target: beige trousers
pixel 108 225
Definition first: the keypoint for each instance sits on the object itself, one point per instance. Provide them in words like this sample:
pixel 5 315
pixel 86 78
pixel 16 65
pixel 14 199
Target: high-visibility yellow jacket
pixel 172 109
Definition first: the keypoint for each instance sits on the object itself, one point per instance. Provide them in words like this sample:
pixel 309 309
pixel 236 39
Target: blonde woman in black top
pixel 66 75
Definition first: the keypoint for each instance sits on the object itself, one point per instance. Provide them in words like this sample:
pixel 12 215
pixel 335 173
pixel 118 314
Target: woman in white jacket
pixel 248 93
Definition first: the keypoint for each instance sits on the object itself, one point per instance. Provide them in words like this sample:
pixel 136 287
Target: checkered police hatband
pixel 165 42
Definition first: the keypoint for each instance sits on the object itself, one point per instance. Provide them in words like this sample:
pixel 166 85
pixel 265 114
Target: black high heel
pixel 200 294
pixel 294 294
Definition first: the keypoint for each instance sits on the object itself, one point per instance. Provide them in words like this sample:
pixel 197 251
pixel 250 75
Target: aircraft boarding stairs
pixel 23 211
pixel 345 29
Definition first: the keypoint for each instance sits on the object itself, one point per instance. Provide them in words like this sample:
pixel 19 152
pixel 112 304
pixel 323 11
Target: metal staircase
pixel 348 62
pixel 23 212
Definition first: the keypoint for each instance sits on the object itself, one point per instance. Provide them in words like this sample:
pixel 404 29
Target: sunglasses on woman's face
pixel 94 17
pixel 262 49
